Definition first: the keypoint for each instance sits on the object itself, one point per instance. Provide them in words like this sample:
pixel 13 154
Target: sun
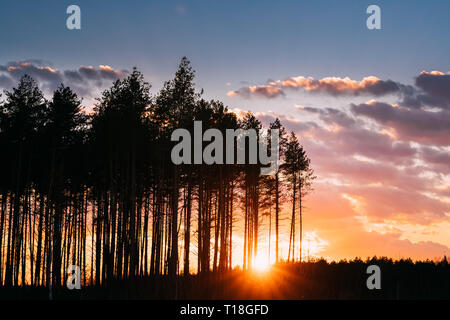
pixel 261 263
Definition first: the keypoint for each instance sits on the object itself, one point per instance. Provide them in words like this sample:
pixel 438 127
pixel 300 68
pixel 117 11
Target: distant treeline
pixel 98 190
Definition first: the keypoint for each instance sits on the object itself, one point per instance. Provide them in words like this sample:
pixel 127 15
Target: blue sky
pixel 232 41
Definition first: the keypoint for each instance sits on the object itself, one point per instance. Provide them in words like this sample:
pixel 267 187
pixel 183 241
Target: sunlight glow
pixel 261 263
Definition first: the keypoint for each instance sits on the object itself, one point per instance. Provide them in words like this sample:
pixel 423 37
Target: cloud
pixel 338 86
pixel 350 157
pixel 84 81
pixel 268 92
pixel 331 85
pixel 330 116
pixel 383 189
pixel 427 127
pixel 438 158
pixel 432 89
pixel 350 137
pixel 291 124
pixel 17 69
pixel 435 83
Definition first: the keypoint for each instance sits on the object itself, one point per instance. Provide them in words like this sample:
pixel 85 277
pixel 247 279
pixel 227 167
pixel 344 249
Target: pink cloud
pixel 268 92
pixel 427 127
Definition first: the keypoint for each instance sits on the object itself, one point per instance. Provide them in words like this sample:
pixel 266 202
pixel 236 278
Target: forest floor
pixel 318 279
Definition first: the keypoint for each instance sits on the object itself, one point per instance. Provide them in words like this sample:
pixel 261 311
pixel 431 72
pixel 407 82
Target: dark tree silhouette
pixel 100 191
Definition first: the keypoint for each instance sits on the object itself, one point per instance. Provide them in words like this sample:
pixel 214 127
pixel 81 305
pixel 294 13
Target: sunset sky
pixel 371 107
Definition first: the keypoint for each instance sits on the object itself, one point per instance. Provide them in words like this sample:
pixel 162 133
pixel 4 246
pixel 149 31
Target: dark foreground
pixel 309 280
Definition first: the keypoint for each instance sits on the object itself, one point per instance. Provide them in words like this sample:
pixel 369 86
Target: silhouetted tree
pixel 100 191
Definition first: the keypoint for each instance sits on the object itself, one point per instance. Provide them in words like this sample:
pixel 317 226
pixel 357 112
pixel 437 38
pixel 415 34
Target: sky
pixel 371 107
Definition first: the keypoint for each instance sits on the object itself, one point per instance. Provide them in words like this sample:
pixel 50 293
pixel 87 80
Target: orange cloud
pixel 336 85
